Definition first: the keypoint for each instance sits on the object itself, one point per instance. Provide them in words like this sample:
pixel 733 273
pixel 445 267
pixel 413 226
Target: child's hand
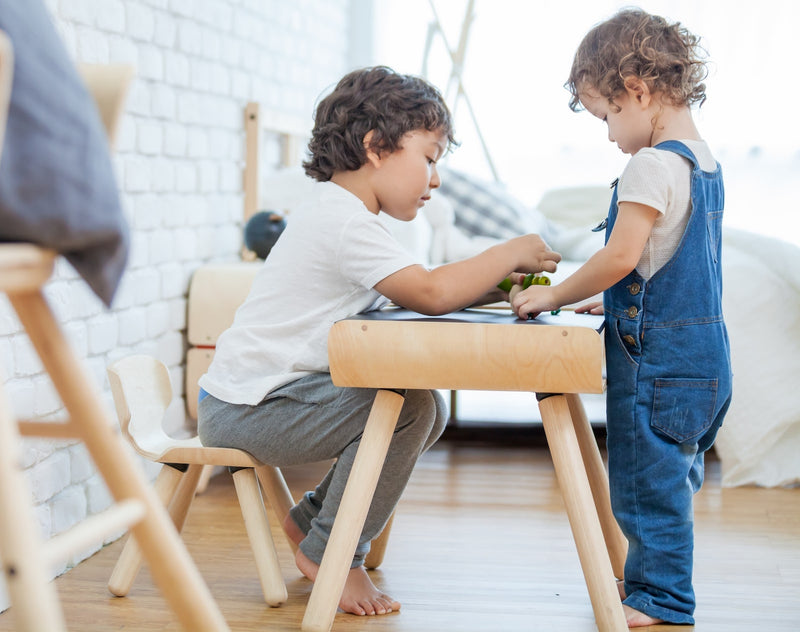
pixel 591 308
pixel 533 301
pixel 537 255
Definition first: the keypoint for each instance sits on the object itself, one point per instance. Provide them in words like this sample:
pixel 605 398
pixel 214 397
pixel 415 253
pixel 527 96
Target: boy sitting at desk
pixel 375 145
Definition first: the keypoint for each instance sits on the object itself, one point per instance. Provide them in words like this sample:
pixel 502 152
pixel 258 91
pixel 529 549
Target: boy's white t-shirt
pixel 661 179
pixel 322 269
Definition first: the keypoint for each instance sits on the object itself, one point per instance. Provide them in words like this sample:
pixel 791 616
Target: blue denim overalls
pixel 669 386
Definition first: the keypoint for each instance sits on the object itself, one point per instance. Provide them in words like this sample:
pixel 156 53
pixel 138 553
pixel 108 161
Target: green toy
pixel 530 279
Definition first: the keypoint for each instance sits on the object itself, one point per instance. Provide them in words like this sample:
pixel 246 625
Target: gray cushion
pixel 485 209
pixel 57 186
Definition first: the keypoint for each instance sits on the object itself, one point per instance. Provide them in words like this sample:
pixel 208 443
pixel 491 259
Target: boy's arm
pixel 457 285
pixel 603 269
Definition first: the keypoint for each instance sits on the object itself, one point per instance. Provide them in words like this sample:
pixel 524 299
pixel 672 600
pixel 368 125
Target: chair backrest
pixel 108 85
pixel 6 77
pixel 142 392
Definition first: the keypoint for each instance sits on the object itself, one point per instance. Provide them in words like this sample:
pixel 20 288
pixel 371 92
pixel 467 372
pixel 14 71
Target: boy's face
pixel 404 181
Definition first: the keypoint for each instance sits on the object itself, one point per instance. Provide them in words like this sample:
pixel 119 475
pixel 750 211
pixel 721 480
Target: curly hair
pixel 633 43
pixel 376 99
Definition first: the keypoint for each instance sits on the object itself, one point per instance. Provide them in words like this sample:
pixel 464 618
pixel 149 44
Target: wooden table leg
pixel 377 547
pixel 616 543
pixel 352 512
pixel 583 518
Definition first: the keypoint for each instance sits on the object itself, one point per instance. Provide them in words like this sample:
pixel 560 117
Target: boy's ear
pixel 373 157
pixel 638 90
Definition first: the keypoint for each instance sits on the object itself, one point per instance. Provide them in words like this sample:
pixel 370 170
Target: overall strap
pixel 678 147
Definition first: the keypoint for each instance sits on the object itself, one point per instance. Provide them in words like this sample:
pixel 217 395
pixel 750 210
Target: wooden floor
pixel 480 543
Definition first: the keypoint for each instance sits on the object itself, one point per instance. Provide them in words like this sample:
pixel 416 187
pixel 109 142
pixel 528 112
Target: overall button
pixel 634 288
pixel 630 340
pixel 632 312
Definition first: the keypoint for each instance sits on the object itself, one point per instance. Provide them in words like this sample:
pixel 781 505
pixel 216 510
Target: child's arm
pixel 457 285
pixel 603 269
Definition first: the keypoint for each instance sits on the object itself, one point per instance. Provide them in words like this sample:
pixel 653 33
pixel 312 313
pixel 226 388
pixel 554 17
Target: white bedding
pixel 759 442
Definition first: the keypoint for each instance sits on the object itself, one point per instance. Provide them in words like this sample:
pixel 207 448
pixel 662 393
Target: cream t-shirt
pixel 661 179
pixel 322 269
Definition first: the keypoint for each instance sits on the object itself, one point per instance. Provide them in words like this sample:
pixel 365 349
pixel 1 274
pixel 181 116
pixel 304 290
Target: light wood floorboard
pixel 480 542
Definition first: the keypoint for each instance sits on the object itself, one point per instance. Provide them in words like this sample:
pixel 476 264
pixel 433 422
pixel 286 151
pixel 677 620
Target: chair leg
pixel 377 547
pixel 277 494
pixel 583 519
pixel 130 560
pixel 32 594
pixel 172 568
pixel 352 512
pixel 257 525
pixel 616 544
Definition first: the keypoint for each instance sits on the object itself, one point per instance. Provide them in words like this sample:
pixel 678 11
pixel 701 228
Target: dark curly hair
pixel 376 99
pixel 633 43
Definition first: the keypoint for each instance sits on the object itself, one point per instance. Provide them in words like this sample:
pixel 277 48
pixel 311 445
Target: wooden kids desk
pixel 556 357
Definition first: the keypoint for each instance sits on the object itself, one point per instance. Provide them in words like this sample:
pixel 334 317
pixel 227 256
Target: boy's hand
pixel 538 257
pixel 533 301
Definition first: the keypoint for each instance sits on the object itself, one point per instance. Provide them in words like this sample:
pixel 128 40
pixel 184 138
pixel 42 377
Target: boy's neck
pixel 357 183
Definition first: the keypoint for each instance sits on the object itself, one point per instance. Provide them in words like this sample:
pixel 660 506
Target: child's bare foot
pixel 360 596
pixel 636 619
pixel 292 531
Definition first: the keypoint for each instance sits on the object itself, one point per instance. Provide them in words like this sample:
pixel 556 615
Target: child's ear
pixel 638 90
pixel 373 157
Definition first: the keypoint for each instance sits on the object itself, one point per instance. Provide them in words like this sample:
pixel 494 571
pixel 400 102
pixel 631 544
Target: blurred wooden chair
pixel 24 269
pixel 142 392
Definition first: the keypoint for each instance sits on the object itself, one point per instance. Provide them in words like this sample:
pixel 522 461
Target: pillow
pixel 57 186
pixel 486 209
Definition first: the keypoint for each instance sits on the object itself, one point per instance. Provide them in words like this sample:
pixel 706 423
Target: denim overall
pixel 669 386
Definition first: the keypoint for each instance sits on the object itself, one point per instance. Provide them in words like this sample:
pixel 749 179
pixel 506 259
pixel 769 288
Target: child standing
pixel 667 351
pixel 376 141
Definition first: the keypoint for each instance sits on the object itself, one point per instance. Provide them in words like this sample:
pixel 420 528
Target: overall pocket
pixel 683 408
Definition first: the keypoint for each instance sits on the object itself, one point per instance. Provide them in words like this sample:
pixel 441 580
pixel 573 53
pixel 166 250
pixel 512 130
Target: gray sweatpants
pixel 312 420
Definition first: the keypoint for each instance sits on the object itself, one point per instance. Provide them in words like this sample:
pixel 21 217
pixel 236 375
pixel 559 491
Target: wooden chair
pixel 142 392
pixel 24 269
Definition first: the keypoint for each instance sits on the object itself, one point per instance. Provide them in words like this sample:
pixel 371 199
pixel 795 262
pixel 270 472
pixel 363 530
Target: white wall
pixel 179 165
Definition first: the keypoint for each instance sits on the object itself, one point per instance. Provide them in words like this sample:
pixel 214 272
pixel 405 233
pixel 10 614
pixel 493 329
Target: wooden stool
pixel 24 269
pixel 556 356
pixel 142 391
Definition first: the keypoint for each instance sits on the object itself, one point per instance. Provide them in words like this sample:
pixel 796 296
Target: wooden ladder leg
pixel 277 494
pixel 377 547
pixel 257 526
pixel 173 570
pixel 130 560
pixel 33 596
pixel 616 544
pixel 583 519
pixel 352 512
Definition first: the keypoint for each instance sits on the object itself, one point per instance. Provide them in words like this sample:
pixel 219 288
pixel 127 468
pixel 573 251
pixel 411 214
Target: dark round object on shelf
pixel 262 231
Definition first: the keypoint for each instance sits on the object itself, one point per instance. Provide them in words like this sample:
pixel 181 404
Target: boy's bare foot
pixel 636 619
pixel 360 596
pixel 292 531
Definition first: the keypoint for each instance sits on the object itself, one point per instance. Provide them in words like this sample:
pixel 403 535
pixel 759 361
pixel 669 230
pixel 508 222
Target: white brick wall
pixel 179 162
